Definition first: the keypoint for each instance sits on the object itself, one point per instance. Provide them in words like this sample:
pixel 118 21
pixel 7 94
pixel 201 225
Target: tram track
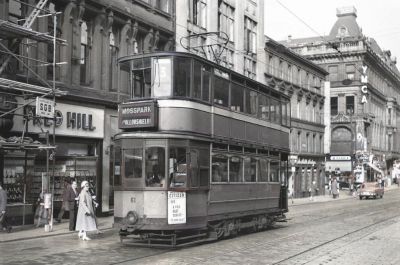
pixel 314 248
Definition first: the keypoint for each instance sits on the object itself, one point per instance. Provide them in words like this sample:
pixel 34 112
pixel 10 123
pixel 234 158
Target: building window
pixel 226 19
pixel 249 67
pixel 163 5
pixel 350 71
pixel 333 73
pixel 198 12
pixel 349 104
pixel 113 63
pixel 250 35
pixel 334 105
pixel 84 53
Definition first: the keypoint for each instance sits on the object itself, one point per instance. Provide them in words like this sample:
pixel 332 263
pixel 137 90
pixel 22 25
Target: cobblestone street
pixel 345 231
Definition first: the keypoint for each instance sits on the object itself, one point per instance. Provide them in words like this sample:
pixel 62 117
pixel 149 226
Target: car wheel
pixel 361 197
pixel 381 196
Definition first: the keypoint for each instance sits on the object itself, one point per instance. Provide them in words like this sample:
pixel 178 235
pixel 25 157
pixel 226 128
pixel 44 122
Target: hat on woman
pixel 84 183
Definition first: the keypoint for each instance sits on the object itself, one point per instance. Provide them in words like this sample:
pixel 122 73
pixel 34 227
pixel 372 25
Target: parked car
pixel 371 190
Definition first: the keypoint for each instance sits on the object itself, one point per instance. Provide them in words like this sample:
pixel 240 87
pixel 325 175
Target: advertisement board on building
pixel 71 120
pixel 138 115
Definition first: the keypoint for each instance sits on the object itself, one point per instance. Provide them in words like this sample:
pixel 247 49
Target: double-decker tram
pixel 202 152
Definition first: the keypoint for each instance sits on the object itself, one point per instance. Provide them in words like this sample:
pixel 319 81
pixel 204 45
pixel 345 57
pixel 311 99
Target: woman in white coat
pixel 85 220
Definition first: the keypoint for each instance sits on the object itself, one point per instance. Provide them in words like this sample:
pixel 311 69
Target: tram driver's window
pixel 155 166
pixel 133 163
pixel 177 167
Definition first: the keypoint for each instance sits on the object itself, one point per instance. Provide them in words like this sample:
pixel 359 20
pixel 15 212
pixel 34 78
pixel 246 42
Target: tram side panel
pixel 242 199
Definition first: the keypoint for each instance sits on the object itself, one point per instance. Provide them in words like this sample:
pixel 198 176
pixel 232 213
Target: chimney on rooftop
pixel 346 11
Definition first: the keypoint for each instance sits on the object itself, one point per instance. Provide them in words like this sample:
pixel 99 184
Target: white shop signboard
pixel 71 120
pixel 176 207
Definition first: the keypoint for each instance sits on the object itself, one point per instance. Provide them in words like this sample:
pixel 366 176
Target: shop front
pixel 79 134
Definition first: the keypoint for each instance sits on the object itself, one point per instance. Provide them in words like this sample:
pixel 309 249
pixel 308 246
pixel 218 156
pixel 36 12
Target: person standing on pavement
pixel 335 191
pixel 72 199
pixel 65 203
pixel 3 204
pixel 85 220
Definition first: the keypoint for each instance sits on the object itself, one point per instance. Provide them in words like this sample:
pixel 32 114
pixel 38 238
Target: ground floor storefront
pixel 34 163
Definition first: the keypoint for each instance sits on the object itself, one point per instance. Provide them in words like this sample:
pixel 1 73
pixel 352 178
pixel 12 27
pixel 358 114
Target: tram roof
pixel 191 55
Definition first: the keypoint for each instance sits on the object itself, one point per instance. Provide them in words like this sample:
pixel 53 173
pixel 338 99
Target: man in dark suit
pixel 3 204
pixel 72 196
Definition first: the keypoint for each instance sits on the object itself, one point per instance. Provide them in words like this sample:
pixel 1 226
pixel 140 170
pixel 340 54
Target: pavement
pixel 106 223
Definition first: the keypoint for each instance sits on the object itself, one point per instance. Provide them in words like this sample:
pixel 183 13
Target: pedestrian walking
pixel 72 199
pixel 335 190
pixel 3 213
pixel 85 220
pixel 65 203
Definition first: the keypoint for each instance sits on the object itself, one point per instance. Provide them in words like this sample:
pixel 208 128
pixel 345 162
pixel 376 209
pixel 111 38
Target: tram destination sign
pixel 138 115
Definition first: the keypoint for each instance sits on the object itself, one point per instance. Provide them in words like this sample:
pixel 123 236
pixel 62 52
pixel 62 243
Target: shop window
pixel 182 69
pixel 250 169
pixel 133 163
pixel 177 167
pixel 155 166
pixel 274 171
pixel 236 169
pixel 219 168
pixel 263 170
pixel 237 96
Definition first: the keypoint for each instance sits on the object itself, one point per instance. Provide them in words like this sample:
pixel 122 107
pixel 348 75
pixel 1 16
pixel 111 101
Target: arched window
pixel 342 31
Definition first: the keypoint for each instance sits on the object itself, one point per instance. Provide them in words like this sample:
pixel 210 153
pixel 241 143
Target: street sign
pixel 44 108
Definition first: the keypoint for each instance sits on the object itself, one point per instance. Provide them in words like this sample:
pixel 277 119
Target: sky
pixel 378 19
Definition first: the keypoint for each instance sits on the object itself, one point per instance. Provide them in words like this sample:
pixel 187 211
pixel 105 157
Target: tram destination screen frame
pixel 138 115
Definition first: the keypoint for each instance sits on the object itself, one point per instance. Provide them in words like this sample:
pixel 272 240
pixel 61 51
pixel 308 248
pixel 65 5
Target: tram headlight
pixel 132 218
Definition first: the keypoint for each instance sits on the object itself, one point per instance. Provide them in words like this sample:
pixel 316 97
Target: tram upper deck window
pixel 162 80
pixel 264 110
pixel 141 78
pixel 251 102
pixel 221 88
pixel 182 70
pixel 201 81
pixel 237 96
pixel 155 167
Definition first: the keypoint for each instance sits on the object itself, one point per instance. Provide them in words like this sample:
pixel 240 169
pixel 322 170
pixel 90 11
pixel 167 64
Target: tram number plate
pixel 176 207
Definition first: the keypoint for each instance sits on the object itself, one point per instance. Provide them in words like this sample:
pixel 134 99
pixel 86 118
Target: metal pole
pixel 54 117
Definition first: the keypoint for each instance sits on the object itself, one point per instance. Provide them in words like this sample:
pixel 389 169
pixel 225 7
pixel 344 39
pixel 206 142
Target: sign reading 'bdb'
pixel 137 115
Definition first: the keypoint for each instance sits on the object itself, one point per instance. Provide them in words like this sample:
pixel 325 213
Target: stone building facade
pixel 96 33
pixel 364 98
pixel 304 82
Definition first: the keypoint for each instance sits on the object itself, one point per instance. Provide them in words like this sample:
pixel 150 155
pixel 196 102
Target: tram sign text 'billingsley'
pixel 138 115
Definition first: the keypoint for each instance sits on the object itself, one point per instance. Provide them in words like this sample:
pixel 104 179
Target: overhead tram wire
pixel 256 60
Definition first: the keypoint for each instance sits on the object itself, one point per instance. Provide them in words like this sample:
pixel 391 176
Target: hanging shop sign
pixel 70 120
pixel 138 115
pixel 364 81
pixel 44 107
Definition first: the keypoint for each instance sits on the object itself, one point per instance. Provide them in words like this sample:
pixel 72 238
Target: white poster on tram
pixel 176 207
